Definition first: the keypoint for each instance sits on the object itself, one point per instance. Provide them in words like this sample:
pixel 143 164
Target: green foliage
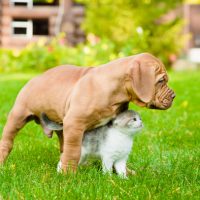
pixel 136 25
pixel 114 29
pixel 166 155
pixel 192 1
pixel 42 55
pixel 43 1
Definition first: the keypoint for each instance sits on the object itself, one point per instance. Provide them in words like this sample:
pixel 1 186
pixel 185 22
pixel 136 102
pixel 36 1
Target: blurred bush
pixel 136 26
pixel 114 29
pixel 46 54
pixel 43 1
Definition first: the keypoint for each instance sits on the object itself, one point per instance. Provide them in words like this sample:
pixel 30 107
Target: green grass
pixel 166 155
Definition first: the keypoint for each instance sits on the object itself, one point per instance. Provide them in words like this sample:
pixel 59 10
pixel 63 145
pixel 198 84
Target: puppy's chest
pixel 103 121
pixel 105 115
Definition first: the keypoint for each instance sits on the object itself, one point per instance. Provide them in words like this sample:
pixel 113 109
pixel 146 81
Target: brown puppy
pixel 85 98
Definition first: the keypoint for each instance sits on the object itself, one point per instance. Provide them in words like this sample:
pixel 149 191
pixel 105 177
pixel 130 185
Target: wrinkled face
pixel 149 83
pixel 163 96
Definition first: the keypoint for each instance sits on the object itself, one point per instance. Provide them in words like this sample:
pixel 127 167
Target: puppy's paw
pixel 65 168
pixel 3 154
pixel 59 167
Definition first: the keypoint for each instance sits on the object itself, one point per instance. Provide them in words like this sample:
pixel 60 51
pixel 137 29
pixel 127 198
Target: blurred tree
pixel 43 1
pixel 192 1
pixel 136 25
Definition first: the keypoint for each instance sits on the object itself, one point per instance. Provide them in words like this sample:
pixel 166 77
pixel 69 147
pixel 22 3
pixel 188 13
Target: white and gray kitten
pixel 111 143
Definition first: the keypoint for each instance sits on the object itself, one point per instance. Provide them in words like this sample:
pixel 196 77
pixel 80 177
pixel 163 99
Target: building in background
pixel 192 16
pixel 24 21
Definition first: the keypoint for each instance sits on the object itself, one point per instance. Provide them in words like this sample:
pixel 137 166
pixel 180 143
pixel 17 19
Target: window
pixel 29 28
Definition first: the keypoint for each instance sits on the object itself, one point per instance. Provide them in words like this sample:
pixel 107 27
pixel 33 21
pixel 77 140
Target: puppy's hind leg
pixel 60 138
pixel 17 118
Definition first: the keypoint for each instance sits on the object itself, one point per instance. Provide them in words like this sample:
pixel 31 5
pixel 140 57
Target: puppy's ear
pixel 143 80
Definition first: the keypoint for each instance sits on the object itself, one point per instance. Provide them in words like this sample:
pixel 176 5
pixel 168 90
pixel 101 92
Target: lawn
pixel 166 155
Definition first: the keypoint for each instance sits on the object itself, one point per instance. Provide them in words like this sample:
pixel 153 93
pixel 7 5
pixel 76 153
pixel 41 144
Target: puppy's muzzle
pixel 168 99
pixel 163 101
pixel 173 95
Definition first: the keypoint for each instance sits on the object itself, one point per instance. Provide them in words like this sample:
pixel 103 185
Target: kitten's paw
pixel 107 171
pixel 123 176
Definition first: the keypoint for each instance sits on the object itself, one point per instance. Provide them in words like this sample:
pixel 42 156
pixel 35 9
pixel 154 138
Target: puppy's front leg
pixel 73 134
pixel 60 138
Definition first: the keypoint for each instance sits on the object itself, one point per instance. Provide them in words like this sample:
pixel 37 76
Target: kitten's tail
pixel 50 124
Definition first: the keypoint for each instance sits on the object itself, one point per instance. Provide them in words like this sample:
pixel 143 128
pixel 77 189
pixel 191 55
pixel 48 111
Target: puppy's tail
pixel 46 122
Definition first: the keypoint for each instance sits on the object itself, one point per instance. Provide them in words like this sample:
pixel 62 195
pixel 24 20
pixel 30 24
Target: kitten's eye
pixel 134 119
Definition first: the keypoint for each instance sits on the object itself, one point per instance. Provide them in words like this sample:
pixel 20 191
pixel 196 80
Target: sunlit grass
pixel 166 155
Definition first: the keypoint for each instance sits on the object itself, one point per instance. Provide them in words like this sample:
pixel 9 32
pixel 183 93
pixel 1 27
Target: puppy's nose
pixel 173 95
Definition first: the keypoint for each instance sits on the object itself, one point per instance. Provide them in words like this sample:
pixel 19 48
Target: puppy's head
pixel 149 83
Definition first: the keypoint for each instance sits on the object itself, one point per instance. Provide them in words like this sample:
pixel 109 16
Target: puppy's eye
pixel 161 80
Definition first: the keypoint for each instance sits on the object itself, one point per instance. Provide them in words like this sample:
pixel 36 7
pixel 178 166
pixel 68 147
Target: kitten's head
pixel 128 122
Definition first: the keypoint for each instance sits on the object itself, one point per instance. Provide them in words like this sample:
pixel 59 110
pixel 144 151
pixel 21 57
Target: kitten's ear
pixel 115 122
pixel 110 123
pixel 119 122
